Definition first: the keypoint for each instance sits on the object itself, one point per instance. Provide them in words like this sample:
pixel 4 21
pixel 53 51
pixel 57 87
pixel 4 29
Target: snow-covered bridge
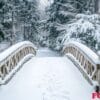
pixel 70 77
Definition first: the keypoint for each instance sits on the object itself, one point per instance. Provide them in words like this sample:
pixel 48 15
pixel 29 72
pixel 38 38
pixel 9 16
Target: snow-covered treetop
pixel 84 28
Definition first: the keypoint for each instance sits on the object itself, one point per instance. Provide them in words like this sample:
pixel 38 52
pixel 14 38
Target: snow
pixel 66 13
pixel 47 78
pixel 80 27
pixel 89 53
pixel 3 46
pixel 13 48
pixel 44 3
pixel 46 52
pixel 85 28
pixel 93 17
pixel 14 71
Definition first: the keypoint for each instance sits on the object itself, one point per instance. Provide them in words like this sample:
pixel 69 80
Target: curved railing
pixel 12 59
pixel 88 61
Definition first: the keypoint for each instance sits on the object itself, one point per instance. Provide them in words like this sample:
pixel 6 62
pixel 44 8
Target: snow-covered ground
pixel 46 52
pixel 47 78
pixel 3 46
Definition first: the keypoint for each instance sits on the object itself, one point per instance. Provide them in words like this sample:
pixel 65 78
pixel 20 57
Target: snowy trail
pixel 47 78
pixel 46 52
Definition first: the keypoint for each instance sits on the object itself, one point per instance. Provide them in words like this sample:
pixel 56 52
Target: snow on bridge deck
pixel 48 78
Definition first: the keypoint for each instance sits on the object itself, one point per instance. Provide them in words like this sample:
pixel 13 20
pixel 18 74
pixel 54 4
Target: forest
pixel 59 22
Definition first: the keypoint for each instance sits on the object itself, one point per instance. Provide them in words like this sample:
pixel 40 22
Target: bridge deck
pixel 49 78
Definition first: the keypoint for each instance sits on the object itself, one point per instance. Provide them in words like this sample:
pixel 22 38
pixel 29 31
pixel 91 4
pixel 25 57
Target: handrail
pixel 10 58
pixel 88 60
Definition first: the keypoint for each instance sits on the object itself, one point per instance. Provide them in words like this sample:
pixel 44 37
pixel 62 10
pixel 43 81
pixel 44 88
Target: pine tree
pixel 85 5
pixel 60 13
pixel 19 20
pixel 28 17
pixel 2 3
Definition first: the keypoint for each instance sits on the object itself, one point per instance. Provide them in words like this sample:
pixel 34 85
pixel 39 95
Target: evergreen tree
pixel 2 3
pixel 19 20
pixel 85 5
pixel 60 13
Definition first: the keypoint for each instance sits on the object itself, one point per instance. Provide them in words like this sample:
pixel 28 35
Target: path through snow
pixel 46 52
pixel 47 78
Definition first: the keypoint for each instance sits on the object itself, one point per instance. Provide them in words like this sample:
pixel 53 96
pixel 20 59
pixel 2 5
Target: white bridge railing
pixel 12 59
pixel 88 61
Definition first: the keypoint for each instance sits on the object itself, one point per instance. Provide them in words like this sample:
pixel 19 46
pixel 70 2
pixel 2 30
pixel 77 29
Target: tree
pixel 60 13
pixel 19 19
pixel 28 17
pixel 85 5
pixel 2 3
pixel 84 28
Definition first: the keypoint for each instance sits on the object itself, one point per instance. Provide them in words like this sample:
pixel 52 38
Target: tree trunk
pixel 97 6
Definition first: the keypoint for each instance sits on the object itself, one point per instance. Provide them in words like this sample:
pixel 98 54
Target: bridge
pixel 26 74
